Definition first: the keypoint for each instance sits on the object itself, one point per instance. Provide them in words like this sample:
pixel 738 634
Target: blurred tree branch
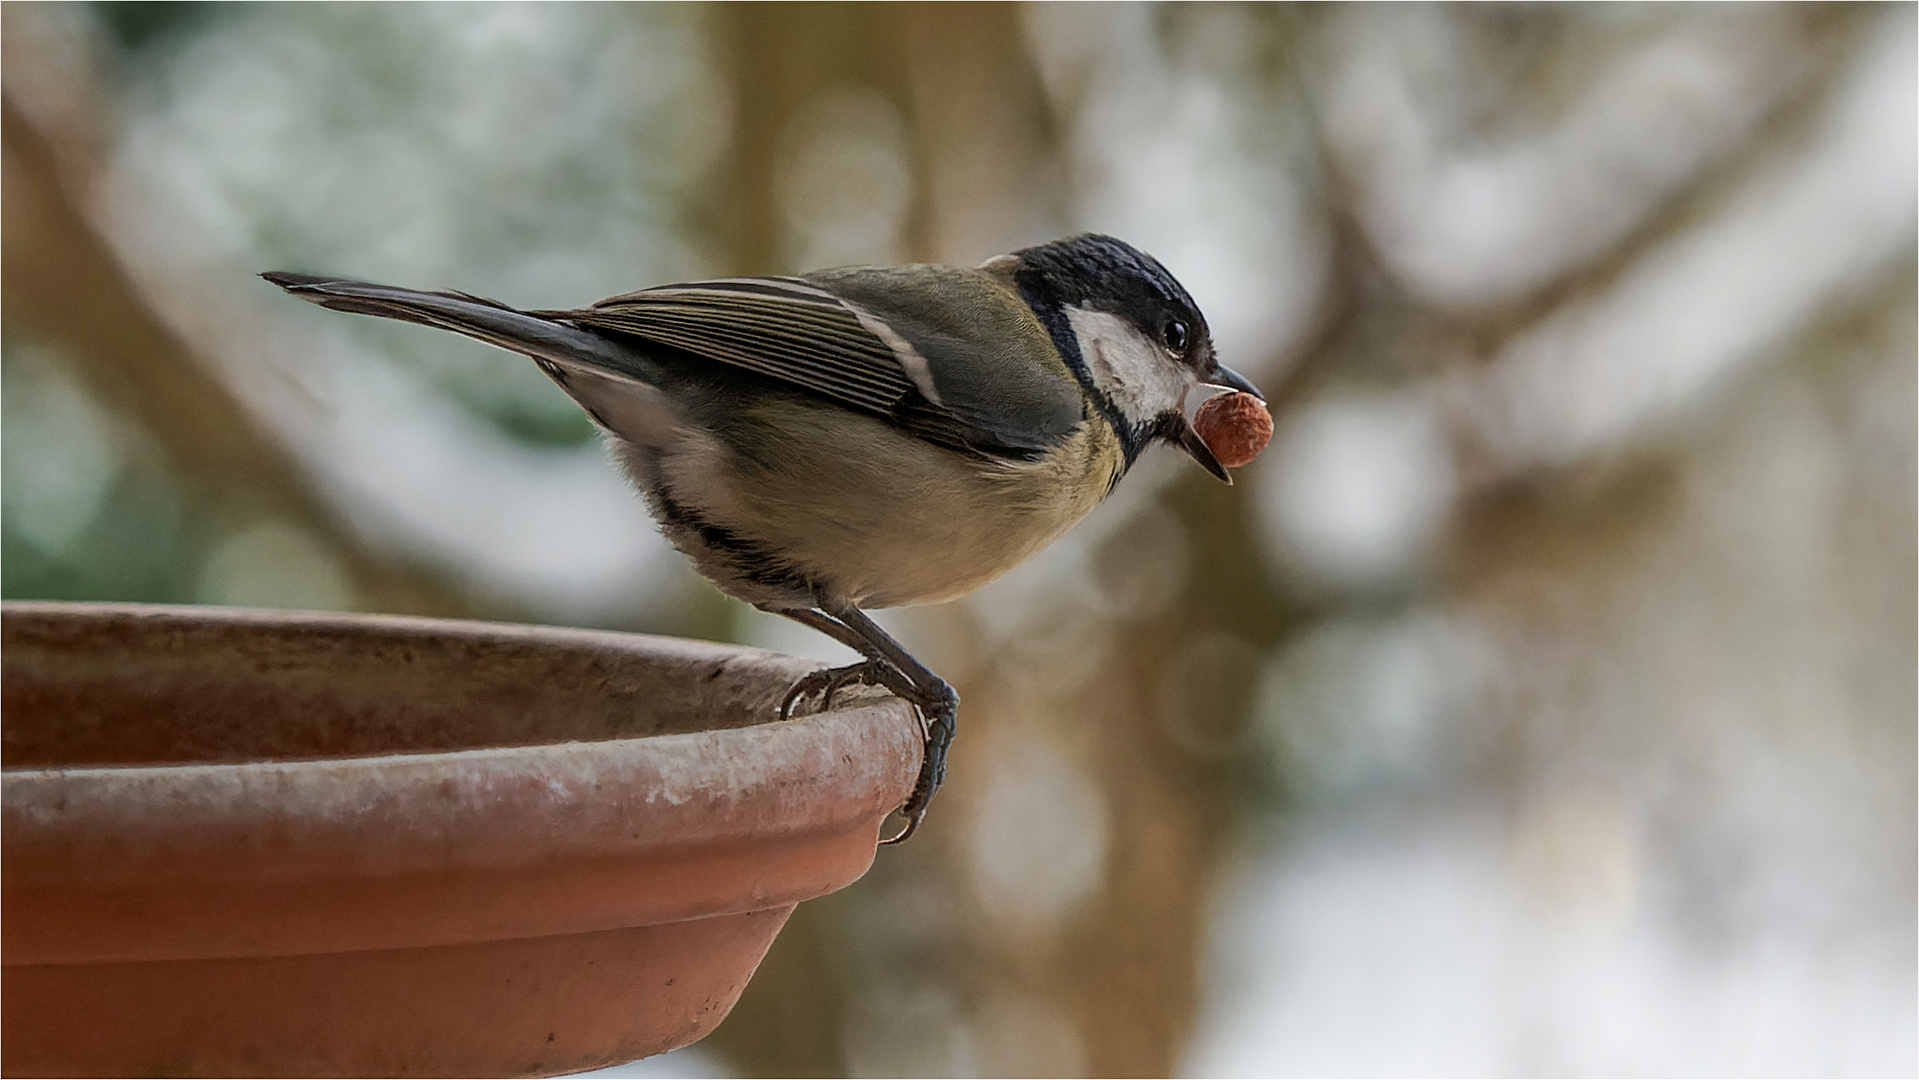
pixel 778 56
pixel 60 282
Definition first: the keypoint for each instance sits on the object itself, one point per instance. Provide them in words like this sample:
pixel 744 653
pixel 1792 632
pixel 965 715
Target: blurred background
pixel 1541 702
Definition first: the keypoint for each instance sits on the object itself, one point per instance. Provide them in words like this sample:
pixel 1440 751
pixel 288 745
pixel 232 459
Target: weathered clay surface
pixel 272 843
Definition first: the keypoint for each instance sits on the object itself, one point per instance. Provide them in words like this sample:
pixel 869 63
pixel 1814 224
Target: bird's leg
pixel 938 704
pixel 889 664
pixel 829 680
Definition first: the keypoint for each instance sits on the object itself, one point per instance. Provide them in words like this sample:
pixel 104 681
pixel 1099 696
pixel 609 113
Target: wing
pixel 963 372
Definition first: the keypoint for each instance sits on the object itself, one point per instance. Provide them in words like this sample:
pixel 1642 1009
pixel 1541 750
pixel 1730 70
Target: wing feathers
pixel 784 329
pixel 870 357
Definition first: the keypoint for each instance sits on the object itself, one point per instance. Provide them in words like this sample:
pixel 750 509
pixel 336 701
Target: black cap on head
pixel 1107 274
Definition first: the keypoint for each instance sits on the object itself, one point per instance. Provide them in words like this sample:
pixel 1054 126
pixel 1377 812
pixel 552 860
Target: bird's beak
pixel 1187 438
pixel 1232 380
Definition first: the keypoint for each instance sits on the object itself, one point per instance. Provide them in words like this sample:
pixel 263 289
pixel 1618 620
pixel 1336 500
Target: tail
pixel 544 339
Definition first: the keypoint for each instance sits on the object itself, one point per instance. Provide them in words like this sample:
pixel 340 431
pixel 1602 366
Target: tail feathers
pixel 539 337
pixel 346 294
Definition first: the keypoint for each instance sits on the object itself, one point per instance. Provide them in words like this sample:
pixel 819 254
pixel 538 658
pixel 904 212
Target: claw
pixel 827 682
pixel 912 825
pixel 941 715
pixel 798 692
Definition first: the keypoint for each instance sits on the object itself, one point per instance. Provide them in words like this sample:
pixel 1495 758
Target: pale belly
pixel 865 514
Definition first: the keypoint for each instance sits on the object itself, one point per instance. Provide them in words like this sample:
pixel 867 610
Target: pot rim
pixel 470 844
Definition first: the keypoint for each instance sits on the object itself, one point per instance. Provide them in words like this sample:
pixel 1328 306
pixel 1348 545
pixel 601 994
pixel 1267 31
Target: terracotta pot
pixel 256 843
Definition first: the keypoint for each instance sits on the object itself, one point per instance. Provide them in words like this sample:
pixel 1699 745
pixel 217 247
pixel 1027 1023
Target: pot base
pixel 532 1007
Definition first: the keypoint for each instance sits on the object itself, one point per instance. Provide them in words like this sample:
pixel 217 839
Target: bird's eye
pixel 1174 335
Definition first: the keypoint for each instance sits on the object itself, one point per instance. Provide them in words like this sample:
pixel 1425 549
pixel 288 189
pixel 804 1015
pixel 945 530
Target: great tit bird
pixel 867 437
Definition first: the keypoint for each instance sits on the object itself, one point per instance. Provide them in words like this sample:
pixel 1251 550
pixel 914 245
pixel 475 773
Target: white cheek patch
pixel 1140 378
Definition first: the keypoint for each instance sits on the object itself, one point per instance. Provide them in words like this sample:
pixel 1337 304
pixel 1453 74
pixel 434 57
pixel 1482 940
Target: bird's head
pixel 1130 333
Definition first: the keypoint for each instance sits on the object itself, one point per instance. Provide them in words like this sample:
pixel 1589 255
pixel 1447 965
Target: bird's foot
pixel 891 666
pixel 940 711
pixel 827 682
